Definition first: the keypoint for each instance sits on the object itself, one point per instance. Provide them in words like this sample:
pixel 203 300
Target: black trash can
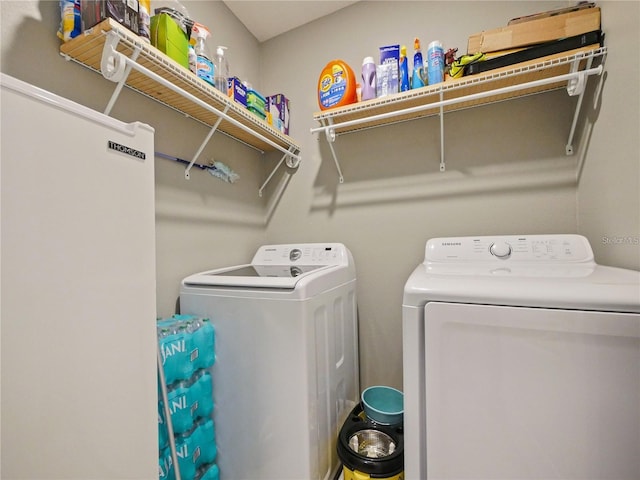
pixel 370 450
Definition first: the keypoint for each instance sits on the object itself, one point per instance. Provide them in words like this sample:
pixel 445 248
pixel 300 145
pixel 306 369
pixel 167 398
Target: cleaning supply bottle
pixel 418 77
pixel 144 20
pixel 404 69
pixel 221 70
pixel 435 62
pixel 204 65
pixel 336 85
pixel 193 58
pixel 368 86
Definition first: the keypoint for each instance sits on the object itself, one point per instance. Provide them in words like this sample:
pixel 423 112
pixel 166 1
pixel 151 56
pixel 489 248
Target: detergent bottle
pixel 418 77
pixel 368 79
pixel 204 65
pixel 336 85
pixel 404 69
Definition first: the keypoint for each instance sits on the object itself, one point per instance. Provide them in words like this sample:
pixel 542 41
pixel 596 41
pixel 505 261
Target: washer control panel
pixel 302 254
pixel 512 248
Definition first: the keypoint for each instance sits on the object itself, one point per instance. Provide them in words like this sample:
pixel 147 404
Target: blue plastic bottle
pixel 404 69
pixel 204 404
pixel 418 78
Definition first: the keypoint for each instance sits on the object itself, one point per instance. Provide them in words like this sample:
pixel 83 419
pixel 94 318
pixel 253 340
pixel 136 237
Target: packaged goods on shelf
pixel 539 29
pixel 237 91
pixel 122 11
pixel 278 106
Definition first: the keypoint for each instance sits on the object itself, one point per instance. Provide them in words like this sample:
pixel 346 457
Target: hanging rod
pixel 118 62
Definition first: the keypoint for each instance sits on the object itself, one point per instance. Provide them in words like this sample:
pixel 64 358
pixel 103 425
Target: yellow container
pixel 356 475
pixel 168 37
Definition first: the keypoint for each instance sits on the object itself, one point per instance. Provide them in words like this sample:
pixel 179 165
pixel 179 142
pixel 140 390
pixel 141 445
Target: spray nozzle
pixel 200 31
pixel 220 50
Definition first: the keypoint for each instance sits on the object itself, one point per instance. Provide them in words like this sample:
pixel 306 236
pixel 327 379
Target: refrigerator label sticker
pixel 126 150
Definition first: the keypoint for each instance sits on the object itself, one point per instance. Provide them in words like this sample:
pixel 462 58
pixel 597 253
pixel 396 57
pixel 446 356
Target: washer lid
pixel 278 266
pixel 550 271
pixel 256 276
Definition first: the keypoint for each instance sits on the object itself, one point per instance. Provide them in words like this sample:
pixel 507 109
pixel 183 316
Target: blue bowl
pixel 384 405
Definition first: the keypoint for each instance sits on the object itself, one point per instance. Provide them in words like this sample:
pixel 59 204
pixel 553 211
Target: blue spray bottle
pixel 418 77
pixel 404 69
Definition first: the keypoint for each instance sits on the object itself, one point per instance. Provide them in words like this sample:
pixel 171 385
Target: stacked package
pixel 537 36
pixel 187 350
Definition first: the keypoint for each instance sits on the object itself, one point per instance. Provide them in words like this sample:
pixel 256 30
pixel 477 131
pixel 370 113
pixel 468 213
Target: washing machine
pixel 286 373
pixel 521 359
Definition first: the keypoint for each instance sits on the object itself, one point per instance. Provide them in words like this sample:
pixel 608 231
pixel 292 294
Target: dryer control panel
pixel 530 249
pixel 302 254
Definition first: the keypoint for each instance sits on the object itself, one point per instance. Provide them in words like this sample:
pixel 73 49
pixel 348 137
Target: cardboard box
pixel 124 12
pixel 535 31
pixel 278 107
pixel 237 91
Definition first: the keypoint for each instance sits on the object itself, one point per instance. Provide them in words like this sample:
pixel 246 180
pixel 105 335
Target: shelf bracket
pixel 114 67
pixel 291 162
pixel 576 86
pixel 204 143
pixel 330 134
pixel 442 165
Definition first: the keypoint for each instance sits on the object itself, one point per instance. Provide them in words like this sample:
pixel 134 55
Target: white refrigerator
pixel 77 292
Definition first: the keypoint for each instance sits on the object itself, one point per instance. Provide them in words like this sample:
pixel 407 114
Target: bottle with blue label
pixel 204 65
pixel 404 69
pixel 435 63
pixel 418 79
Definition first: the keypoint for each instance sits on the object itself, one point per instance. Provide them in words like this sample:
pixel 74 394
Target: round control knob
pixel 295 254
pixel 500 249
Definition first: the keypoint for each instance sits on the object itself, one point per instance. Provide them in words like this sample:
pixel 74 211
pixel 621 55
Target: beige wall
pixel 506 167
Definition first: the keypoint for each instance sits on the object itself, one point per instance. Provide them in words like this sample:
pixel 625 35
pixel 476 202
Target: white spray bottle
pixel 204 65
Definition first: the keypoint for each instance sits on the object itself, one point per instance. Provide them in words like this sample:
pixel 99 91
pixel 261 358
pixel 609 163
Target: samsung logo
pixel 451 244
pixel 126 150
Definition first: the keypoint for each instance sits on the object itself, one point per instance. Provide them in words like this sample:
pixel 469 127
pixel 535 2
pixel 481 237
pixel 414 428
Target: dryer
pixel 521 360
pixel 286 371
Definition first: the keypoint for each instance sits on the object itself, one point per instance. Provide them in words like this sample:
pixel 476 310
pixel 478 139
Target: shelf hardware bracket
pixel 114 67
pixel 442 165
pixel 291 162
pixel 330 133
pixel 204 143
pixel 576 86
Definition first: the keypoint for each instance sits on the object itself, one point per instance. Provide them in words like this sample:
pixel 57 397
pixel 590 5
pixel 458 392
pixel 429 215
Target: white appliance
pixel 521 360
pixel 79 388
pixel 286 371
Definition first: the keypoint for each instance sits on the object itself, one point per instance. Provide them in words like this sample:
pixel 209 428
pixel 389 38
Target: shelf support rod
pixel 576 87
pixel 452 101
pixel 121 59
pixel 284 157
pixel 442 165
pixel 330 133
pixel 112 70
pixel 204 143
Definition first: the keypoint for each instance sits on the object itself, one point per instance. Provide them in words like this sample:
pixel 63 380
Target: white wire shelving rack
pixel 123 58
pixel 569 70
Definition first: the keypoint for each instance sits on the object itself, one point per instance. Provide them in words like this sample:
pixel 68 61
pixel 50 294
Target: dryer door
pixel 531 393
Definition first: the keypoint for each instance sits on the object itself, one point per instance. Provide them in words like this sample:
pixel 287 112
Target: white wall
pixel 506 167
pixel 609 188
